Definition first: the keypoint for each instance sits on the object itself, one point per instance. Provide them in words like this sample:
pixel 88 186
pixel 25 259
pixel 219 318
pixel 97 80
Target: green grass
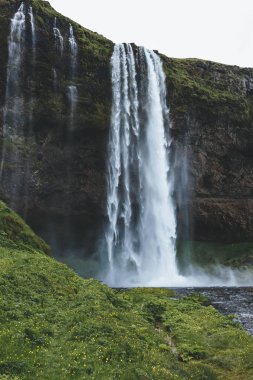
pixel 56 325
pixel 14 233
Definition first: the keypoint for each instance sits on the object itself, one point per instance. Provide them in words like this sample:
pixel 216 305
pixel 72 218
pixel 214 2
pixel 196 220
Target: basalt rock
pixel 65 187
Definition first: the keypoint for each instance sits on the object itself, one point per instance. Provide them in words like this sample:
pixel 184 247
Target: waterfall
pixel 55 79
pixel 73 49
pixel 14 92
pixel 33 60
pixel 32 21
pixel 141 229
pixel 17 116
pixel 13 115
pixel 73 97
pixel 72 89
pixel 59 42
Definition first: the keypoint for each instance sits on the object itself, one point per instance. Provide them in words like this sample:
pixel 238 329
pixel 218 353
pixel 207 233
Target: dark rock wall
pixel 67 170
pixel 212 125
pixel 212 115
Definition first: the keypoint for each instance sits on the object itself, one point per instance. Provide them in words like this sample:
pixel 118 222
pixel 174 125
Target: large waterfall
pixel 141 230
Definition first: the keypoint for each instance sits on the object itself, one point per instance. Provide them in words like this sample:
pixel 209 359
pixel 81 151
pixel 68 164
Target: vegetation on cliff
pixel 56 325
pixel 15 234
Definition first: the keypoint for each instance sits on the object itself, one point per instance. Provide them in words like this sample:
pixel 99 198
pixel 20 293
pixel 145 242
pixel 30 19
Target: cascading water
pixel 17 116
pixel 59 41
pixel 73 49
pixel 73 97
pixel 14 92
pixel 33 61
pixel 32 21
pixel 14 100
pixel 72 89
pixel 141 231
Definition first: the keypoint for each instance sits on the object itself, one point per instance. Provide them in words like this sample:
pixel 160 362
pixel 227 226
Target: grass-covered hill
pixel 56 325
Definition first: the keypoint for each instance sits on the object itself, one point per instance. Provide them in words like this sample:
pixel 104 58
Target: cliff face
pixel 212 111
pixel 59 170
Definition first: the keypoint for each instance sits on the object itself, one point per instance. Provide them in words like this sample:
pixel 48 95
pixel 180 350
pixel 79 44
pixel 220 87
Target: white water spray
pixel 59 41
pixel 141 232
pixel 14 100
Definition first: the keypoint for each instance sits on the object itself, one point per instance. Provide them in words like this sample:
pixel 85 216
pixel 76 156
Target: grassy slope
pixel 53 324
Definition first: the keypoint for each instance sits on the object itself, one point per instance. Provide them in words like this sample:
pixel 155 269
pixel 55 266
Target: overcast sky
pixel 217 30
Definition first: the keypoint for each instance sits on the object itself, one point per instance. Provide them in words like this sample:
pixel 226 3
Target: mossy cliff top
pixel 224 91
pixel 54 324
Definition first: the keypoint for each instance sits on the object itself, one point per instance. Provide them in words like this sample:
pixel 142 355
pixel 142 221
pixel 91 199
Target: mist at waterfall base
pixel 147 178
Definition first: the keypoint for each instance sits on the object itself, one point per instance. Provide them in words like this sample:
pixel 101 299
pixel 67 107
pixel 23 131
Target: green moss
pixel 15 233
pixel 210 90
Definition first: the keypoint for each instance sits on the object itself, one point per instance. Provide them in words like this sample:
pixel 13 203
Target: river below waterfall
pixel 238 301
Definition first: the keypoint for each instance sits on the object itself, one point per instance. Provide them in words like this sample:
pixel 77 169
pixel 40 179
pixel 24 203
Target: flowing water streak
pixel 33 61
pixel 73 98
pixel 59 41
pixel 14 100
pixel 30 106
pixel 73 49
pixel 141 231
pixel 158 222
pixel 72 89
pixel 33 29
pixel 55 79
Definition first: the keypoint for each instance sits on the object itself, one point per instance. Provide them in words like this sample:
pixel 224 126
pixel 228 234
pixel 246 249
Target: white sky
pixel 217 30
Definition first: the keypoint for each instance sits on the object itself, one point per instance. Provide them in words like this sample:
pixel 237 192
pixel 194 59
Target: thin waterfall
pixel 32 21
pixel 55 79
pixel 13 116
pixel 30 106
pixel 73 98
pixel 73 49
pixel 14 91
pixel 59 41
pixel 33 60
pixel 18 114
pixel 141 228
pixel 72 89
